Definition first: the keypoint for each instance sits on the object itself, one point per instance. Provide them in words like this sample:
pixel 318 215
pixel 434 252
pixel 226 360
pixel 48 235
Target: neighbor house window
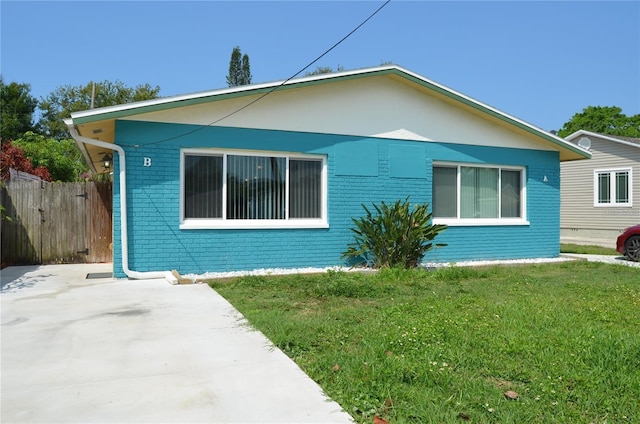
pixel 467 194
pixel 249 190
pixel 612 187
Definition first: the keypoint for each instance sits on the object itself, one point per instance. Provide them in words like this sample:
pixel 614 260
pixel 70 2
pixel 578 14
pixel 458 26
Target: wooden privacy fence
pixel 49 223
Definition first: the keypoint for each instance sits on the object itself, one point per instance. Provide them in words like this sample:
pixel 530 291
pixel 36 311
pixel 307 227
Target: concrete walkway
pixel 608 259
pixel 78 350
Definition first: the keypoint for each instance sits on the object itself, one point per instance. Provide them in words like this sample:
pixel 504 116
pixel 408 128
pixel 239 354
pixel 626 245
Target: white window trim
pixel 612 187
pixel 479 222
pixel 223 223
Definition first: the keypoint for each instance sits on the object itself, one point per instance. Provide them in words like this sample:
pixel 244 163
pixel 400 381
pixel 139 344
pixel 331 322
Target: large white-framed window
pixel 248 189
pixel 472 194
pixel 612 187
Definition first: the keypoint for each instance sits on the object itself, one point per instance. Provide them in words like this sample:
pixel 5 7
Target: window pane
pixel 203 187
pixel 478 192
pixel 510 192
pixel 603 188
pixel 622 187
pixel 305 189
pixel 444 192
pixel 255 187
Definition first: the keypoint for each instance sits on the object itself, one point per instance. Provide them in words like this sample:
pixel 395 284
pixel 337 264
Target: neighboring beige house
pixel 600 197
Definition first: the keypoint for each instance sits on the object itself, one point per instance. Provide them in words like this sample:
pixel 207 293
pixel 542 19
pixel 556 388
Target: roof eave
pixel 598 135
pixel 83 149
pixel 152 105
pixel 572 151
pixel 578 152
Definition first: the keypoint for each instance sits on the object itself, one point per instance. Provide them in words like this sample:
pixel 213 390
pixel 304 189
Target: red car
pixel 628 243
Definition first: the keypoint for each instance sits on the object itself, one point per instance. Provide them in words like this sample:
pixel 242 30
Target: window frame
pixel 612 187
pixel 457 221
pixel 223 222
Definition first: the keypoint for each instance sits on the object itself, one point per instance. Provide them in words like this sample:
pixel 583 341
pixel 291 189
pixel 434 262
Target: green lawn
pixel 444 346
pixel 587 249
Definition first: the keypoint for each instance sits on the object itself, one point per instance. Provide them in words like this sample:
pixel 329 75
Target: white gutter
pixel 136 275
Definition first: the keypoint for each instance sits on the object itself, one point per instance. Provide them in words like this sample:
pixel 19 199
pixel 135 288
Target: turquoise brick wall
pixel 153 193
pixel 540 239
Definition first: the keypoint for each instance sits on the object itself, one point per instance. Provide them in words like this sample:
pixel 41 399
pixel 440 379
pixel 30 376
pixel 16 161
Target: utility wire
pixel 276 87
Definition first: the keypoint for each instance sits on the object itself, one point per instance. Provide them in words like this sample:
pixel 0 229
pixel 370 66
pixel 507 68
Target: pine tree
pixel 239 69
pixel 246 70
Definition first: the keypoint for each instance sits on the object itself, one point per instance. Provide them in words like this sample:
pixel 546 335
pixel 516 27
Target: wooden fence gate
pixel 48 223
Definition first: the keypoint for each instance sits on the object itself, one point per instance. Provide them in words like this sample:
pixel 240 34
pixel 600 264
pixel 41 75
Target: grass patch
pixel 587 249
pixel 414 346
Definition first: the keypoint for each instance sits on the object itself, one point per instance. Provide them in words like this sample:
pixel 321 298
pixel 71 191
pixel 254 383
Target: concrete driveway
pixel 101 350
pixel 607 259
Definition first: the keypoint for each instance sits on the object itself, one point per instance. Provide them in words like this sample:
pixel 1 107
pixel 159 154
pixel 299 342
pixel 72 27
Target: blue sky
pixel 539 61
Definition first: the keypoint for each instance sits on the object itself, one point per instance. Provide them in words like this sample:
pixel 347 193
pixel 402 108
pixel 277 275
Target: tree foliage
pixel 396 236
pixel 13 156
pixel 239 69
pixel 324 70
pixel 61 157
pixel 67 99
pixel 603 120
pixel 17 107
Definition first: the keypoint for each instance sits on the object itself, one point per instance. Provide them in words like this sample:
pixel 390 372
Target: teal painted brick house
pixel 270 175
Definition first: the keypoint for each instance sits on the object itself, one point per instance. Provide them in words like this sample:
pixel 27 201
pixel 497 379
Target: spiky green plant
pixel 395 236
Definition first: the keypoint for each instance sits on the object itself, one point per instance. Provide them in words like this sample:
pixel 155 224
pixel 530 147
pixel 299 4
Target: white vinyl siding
pixel 579 217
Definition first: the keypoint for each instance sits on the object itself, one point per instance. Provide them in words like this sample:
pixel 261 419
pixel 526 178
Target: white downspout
pixel 136 275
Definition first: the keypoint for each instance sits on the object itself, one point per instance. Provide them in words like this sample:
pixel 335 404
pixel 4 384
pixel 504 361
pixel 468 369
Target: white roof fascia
pixel 559 140
pixel 274 85
pixel 222 91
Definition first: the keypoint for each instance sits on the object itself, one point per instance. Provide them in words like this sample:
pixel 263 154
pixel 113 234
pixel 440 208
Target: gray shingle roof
pixel 627 139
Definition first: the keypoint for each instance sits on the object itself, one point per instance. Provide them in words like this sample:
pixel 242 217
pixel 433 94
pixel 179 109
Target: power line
pixel 276 87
